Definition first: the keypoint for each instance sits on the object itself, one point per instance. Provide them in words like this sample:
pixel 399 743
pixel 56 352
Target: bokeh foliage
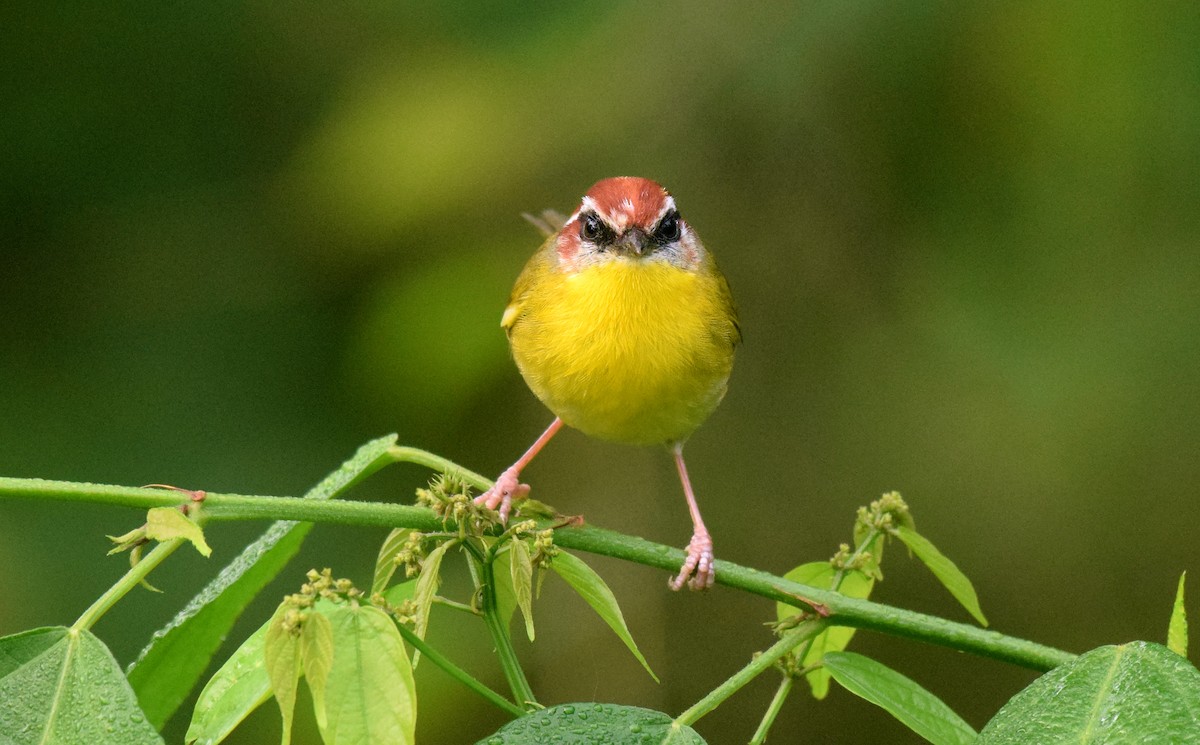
pixel 238 239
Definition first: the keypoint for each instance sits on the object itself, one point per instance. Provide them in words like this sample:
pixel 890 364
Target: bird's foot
pixel 500 497
pixel 697 571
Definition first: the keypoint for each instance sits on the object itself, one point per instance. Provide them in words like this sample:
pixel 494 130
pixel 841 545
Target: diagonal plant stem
pixel 785 686
pixel 136 574
pixel 802 633
pixel 842 610
pixel 781 694
pixel 456 672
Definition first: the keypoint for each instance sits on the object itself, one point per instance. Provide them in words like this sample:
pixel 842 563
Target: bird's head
pixel 627 218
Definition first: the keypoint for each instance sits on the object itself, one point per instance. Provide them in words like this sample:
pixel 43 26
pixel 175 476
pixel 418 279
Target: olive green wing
pixel 729 308
pixel 536 267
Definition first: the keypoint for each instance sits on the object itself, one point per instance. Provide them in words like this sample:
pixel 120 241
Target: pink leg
pixel 508 485
pixel 698 570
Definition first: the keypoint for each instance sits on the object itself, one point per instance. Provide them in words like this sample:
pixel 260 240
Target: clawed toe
pixel 500 497
pixel 698 571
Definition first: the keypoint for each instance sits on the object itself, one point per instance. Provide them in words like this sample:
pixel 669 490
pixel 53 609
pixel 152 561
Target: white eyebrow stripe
pixel 668 205
pixel 589 205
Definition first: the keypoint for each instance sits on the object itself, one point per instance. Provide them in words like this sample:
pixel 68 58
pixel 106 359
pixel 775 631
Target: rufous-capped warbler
pixel 623 326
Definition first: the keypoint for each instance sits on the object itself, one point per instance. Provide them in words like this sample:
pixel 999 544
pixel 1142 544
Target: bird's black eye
pixel 592 228
pixel 668 228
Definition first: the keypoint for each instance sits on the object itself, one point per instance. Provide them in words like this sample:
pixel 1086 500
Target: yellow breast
pixel 630 350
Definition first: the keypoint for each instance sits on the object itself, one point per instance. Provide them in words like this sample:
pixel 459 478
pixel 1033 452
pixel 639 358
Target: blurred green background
pixel 240 239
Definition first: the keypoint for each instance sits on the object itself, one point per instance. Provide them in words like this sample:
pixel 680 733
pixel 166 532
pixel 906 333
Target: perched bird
pixel 625 329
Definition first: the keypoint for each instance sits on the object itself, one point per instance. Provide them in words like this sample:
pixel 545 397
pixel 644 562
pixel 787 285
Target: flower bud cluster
pixel 846 559
pixel 884 515
pixel 411 554
pixel 544 549
pixel 320 586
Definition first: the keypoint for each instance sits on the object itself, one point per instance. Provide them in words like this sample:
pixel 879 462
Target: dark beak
pixel 635 241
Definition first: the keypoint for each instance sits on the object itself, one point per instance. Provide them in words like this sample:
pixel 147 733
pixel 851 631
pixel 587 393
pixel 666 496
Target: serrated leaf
pixel 385 565
pixel 62 686
pixel 167 669
pixel 900 696
pixel 506 597
pixel 370 696
pixel 1136 692
pixel 316 656
pixel 945 570
pixel 521 572
pixel 854 584
pixel 178 653
pixel 584 580
pixel 238 688
pixel 282 655
pixel 426 588
pixel 168 523
pixel 1177 629
pixel 594 723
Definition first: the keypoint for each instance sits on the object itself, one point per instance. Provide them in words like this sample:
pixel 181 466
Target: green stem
pixel 785 685
pixel 842 610
pixel 760 664
pixel 781 694
pixel 509 663
pixel 132 579
pixel 455 605
pixel 403 454
pixel 456 672
pixel 872 535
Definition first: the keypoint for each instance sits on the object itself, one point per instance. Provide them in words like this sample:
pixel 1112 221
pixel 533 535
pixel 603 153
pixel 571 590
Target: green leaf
pixel 385 565
pixel 62 686
pixel 282 655
pixel 427 584
pixel 178 654
pixel 521 571
pixel 854 584
pixel 1177 631
pixel 397 594
pixel 814 574
pixel 947 573
pixel 588 723
pixel 238 688
pixel 1136 692
pixel 168 523
pixel 506 596
pixel 900 696
pixel 126 541
pixel 316 654
pixel 369 694
pixel 584 580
